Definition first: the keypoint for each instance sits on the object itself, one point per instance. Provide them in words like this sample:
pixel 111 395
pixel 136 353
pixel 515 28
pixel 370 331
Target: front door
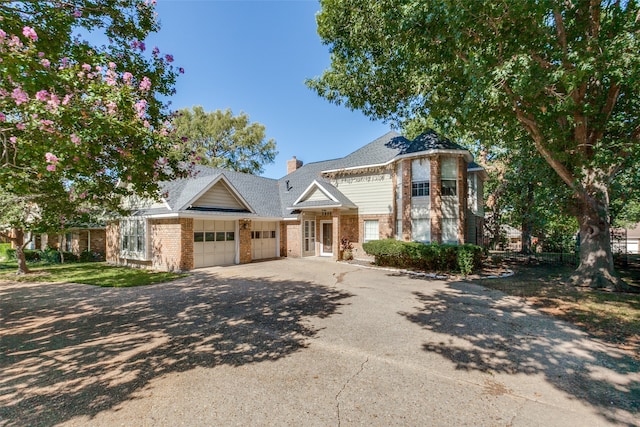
pixel 326 230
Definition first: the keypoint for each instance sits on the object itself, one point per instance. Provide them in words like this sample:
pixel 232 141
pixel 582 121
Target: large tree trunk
pixel 596 268
pixel 17 238
pixel 527 222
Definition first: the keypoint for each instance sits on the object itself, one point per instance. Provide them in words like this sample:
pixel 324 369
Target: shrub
pixel 50 255
pixel 427 257
pixel 4 247
pixel 30 255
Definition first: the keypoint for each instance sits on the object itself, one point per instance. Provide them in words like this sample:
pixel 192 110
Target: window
pixel 208 236
pixel 449 183
pixel 231 236
pixel 421 230
pixel 420 177
pixel 449 187
pixel 309 236
pixel 371 230
pixel 134 237
pixel 449 230
pixel 420 189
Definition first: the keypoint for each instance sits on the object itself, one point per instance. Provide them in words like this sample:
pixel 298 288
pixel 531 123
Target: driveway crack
pixel 345 386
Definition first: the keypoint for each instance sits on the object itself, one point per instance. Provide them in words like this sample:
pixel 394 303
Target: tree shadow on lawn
pixel 491 332
pixel 68 350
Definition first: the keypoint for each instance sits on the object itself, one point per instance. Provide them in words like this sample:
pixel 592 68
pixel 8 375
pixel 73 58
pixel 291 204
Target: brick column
pixel 186 244
pixel 436 200
pixel 245 240
pixel 335 216
pixel 406 200
pixel 462 200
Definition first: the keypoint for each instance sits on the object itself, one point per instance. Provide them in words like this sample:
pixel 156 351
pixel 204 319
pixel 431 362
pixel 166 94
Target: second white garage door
pixel 263 240
pixel 214 243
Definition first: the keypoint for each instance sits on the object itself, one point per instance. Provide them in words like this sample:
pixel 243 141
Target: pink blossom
pixel 146 124
pixel 86 67
pixel 45 125
pixel 142 46
pixel 83 195
pixel 126 77
pixel 13 140
pixel 112 108
pixel 155 51
pixel 77 13
pixel 141 107
pixel 112 65
pixel 45 63
pixel 75 139
pixel 111 78
pixel 51 158
pixel 145 84
pixel 181 70
pixel 3 118
pixel 98 68
pixel 2 35
pixel 42 95
pixel 30 33
pixel 19 96
pixel 20 126
pixel 40 54
pixel 51 168
pixel 169 58
pixel 128 177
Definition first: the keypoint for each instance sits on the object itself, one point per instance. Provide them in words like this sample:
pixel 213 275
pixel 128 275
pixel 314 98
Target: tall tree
pixel 223 140
pixel 80 124
pixel 564 73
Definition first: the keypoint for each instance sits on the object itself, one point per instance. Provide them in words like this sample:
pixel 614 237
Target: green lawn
pixel 90 273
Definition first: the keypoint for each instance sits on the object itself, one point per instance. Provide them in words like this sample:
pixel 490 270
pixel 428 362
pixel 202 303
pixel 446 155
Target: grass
pixel 90 273
pixel 612 317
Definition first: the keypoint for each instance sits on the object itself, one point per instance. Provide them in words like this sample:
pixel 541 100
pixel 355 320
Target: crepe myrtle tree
pixel 564 73
pixel 80 125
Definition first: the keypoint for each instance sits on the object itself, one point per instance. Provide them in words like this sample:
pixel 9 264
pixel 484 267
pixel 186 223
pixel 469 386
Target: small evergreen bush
pixel 426 257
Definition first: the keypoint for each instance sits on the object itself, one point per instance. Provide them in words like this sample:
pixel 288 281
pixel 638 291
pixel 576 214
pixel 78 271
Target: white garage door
pixel 214 243
pixel 263 240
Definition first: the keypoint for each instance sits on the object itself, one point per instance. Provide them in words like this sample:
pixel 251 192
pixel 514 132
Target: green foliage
pixel 4 247
pixel 77 119
pixel 557 79
pixel 220 139
pixel 51 255
pixel 426 257
pixel 29 255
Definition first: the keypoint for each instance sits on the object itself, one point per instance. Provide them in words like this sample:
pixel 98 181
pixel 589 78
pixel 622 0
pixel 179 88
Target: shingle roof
pixel 275 198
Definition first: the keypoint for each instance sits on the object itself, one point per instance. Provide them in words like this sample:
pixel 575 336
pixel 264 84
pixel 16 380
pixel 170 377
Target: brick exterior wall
pixel 293 232
pixel 186 243
pixel 436 201
pixel 245 241
pixel 166 239
pixel 463 191
pixel 406 200
pixel 112 237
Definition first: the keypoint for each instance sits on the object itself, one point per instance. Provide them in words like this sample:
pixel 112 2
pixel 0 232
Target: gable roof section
pixel 321 194
pixel 219 194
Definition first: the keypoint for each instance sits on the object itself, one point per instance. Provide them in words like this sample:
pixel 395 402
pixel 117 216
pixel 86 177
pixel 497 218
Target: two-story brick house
pixel 427 189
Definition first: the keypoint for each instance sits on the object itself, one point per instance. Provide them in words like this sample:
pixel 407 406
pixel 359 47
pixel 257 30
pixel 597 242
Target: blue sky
pixel 254 56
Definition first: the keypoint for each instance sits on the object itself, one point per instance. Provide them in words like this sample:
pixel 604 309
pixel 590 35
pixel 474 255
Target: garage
pixel 214 243
pixel 263 240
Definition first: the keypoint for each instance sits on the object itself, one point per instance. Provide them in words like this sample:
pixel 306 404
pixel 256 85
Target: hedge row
pixel 427 257
pixel 53 256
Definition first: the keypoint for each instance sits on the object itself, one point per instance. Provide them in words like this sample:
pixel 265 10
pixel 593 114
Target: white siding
pixel 219 196
pixel 372 193
pixel 317 195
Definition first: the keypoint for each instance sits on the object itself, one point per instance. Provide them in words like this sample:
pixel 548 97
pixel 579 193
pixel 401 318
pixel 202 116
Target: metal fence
pixel 512 244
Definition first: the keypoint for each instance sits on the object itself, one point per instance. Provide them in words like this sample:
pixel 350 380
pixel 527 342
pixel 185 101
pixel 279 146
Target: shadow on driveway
pixel 493 333
pixel 69 350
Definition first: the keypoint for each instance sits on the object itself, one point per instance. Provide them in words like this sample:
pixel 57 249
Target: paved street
pixel 301 342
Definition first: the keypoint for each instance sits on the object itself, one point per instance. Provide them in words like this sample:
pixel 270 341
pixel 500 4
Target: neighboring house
pixel 426 190
pixel 90 238
pixel 633 239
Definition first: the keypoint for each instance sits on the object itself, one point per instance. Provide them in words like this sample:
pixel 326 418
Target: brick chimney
pixel 293 164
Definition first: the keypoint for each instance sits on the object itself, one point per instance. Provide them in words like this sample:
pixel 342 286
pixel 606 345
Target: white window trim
pixel 137 255
pixel 368 238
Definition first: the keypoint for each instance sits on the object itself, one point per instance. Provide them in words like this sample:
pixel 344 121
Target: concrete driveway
pixel 301 342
